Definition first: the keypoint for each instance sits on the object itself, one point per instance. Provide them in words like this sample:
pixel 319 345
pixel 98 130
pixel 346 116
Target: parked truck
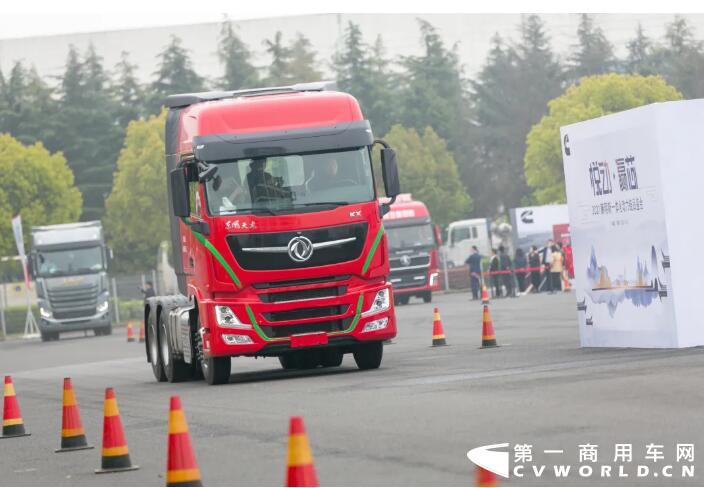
pixel 277 233
pixel 69 263
pixel 413 250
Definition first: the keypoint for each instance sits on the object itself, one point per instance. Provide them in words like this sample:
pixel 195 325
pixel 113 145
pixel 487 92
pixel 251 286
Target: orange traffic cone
pixel 115 455
pixel 438 333
pixel 300 470
pixel 488 335
pixel 181 466
pixel 73 437
pixel 12 423
pixel 130 333
pixel 141 331
pixel 485 295
pixel 484 477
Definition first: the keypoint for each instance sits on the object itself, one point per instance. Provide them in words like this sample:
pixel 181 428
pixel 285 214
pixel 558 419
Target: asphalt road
pixel 409 423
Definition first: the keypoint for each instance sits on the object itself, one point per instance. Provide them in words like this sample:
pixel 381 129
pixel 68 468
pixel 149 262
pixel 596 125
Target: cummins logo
pixel 300 249
pixel 527 217
pixel 487 458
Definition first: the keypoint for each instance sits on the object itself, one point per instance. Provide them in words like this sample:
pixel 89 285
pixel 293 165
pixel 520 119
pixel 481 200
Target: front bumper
pixel 430 284
pixel 101 320
pixel 268 328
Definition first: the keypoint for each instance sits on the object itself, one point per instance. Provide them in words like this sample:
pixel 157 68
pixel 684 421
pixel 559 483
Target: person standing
pixel 507 268
pixel 520 262
pixel 556 269
pixel 569 260
pixel 546 253
pixel 534 263
pixel 148 290
pixel 474 261
pixel 495 266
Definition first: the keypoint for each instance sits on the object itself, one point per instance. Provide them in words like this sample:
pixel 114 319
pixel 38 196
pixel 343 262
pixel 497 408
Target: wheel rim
pixel 164 347
pixel 153 347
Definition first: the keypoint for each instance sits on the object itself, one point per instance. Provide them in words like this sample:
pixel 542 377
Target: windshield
pixel 295 180
pixel 410 236
pixel 69 262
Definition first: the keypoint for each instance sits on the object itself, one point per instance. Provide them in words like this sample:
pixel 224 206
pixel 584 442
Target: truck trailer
pixel 279 247
pixel 69 263
pixel 413 250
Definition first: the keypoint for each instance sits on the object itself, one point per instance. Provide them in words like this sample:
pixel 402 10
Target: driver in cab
pixel 324 176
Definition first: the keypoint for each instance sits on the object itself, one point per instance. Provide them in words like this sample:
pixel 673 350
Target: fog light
pixel 376 325
pixel 235 339
pixel 45 313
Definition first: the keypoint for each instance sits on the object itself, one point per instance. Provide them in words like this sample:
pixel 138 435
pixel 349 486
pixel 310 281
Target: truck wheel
pixel 175 369
pixel 49 336
pixel 290 360
pixel 310 359
pixel 153 348
pixel 216 371
pixel 368 356
pixel 427 297
pixel 402 300
pixel 331 357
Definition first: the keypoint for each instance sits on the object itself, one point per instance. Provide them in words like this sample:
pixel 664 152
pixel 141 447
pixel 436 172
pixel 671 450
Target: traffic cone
pixel 485 295
pixel 488 335
pixel 438 333
pixel 130 333
pixel 73 437
pixel 115 455
pixel 181 466
pixel 12 424
pixel 300 470
pixel 141 331
pixel 484 477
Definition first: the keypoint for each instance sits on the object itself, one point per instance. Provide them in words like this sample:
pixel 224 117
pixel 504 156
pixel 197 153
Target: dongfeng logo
pixel 300 249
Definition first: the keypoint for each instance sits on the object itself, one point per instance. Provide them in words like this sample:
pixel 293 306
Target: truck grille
pixel 396 262
pixel 74 302
pixel 293 295
pixel 411 278
pixel 277 331
pixel 305 313
pixel 340 253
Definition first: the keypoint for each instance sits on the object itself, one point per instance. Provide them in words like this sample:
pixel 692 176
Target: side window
pixel 460 234
pixel 474 232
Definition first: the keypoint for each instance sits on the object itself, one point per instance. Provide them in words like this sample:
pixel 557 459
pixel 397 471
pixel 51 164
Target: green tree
pixel 682 58
pixel 90 136
pixel 640 54
pixel 127 91
pixel 362 71
pixel 135 219
pixel 301 66
pixel 36 184
pixel 593 54
pixel 593 97
pixel 277 74
pixel 236 58
pixel 429 172
pixel 175 75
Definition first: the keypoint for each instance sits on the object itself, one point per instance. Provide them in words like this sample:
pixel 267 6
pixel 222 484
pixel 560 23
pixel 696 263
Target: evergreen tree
pixel 362 71
pixel 433 92
pixel 280 57
pixel 683 59
pixel 127 92
pixel 640 54
pixel 175 75
pixel 235 56
pixel 593 54
pixel 302 65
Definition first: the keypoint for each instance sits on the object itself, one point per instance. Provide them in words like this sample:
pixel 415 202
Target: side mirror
pixel 31 268
pixel 389 168
pixel 179 193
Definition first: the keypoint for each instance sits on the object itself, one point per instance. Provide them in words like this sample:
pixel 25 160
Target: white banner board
pixel 532 226
pixel 632 181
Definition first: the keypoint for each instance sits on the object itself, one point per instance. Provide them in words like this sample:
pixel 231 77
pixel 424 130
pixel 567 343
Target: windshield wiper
pixel 316 204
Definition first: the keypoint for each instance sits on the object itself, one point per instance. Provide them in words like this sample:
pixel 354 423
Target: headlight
pixel 227 318
pixel 102 307
pixel 45 312
pixel 376 325
pixel 381 302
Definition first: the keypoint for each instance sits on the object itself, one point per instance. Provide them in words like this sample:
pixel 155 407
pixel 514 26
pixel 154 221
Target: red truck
pixel 277 234
pixel 413 250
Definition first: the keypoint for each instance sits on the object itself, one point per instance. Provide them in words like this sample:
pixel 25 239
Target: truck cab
pixel 69 263
pixel 278 241
pixel 462 235
pixel 413 250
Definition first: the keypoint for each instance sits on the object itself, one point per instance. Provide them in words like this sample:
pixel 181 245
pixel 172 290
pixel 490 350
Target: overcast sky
pixel 29 18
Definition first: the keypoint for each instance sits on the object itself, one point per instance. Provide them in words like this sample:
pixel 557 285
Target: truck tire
pixel 290 360
pixel 49 336
pixel 368 356
pixel 427 297
pixel 216 371
pixel 176 370
pixel 310 359
pixel 331 357
pixel 401 299
pixel 153 347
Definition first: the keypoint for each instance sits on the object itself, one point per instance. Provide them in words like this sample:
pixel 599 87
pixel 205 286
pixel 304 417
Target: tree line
pixel 461 136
